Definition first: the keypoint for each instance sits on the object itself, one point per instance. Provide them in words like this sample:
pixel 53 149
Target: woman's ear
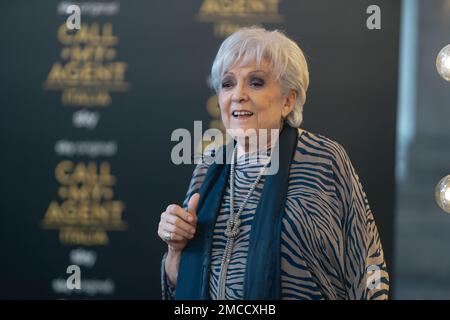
pixel 289 102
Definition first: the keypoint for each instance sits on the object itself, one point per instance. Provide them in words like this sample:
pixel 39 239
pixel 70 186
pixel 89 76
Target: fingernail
pixel 190 218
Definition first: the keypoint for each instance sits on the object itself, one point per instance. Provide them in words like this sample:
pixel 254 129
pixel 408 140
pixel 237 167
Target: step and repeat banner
pixel 91 94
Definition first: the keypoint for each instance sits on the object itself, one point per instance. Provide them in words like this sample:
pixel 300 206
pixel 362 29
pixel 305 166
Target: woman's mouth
pixel 242 114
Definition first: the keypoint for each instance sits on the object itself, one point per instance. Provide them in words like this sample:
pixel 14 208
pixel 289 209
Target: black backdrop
pixel 165 50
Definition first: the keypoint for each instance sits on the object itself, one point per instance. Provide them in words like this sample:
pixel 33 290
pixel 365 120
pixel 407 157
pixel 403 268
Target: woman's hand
pixel 177 226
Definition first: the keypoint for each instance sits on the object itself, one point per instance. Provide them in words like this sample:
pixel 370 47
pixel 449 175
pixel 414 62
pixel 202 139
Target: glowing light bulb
pixel 443 63
pixel 447 195
pixel 442 194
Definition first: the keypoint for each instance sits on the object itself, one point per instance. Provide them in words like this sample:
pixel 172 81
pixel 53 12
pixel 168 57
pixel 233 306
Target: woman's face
pixel 251 98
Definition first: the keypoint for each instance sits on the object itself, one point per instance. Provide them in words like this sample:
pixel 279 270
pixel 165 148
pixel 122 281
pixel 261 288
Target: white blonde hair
pixel 284 56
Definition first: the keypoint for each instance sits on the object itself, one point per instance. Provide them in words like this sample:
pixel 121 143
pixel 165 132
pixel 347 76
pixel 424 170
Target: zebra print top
pixel 330 246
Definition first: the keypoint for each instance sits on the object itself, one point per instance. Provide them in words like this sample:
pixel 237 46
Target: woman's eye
pixel 257 82
pixel 226 84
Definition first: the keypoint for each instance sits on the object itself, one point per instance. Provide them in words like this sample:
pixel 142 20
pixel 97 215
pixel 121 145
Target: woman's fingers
pixel 178 211
pixel 176 215
pixel 177 221
pixel 167 227
pixel 177 233
pixel 175 236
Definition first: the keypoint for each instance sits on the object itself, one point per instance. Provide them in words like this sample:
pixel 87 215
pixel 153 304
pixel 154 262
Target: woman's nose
pixel 239 93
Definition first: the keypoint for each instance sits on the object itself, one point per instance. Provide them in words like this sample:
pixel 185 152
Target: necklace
pixel 233 224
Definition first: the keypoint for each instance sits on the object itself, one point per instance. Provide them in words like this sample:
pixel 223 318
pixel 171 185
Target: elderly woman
pixel 306 232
